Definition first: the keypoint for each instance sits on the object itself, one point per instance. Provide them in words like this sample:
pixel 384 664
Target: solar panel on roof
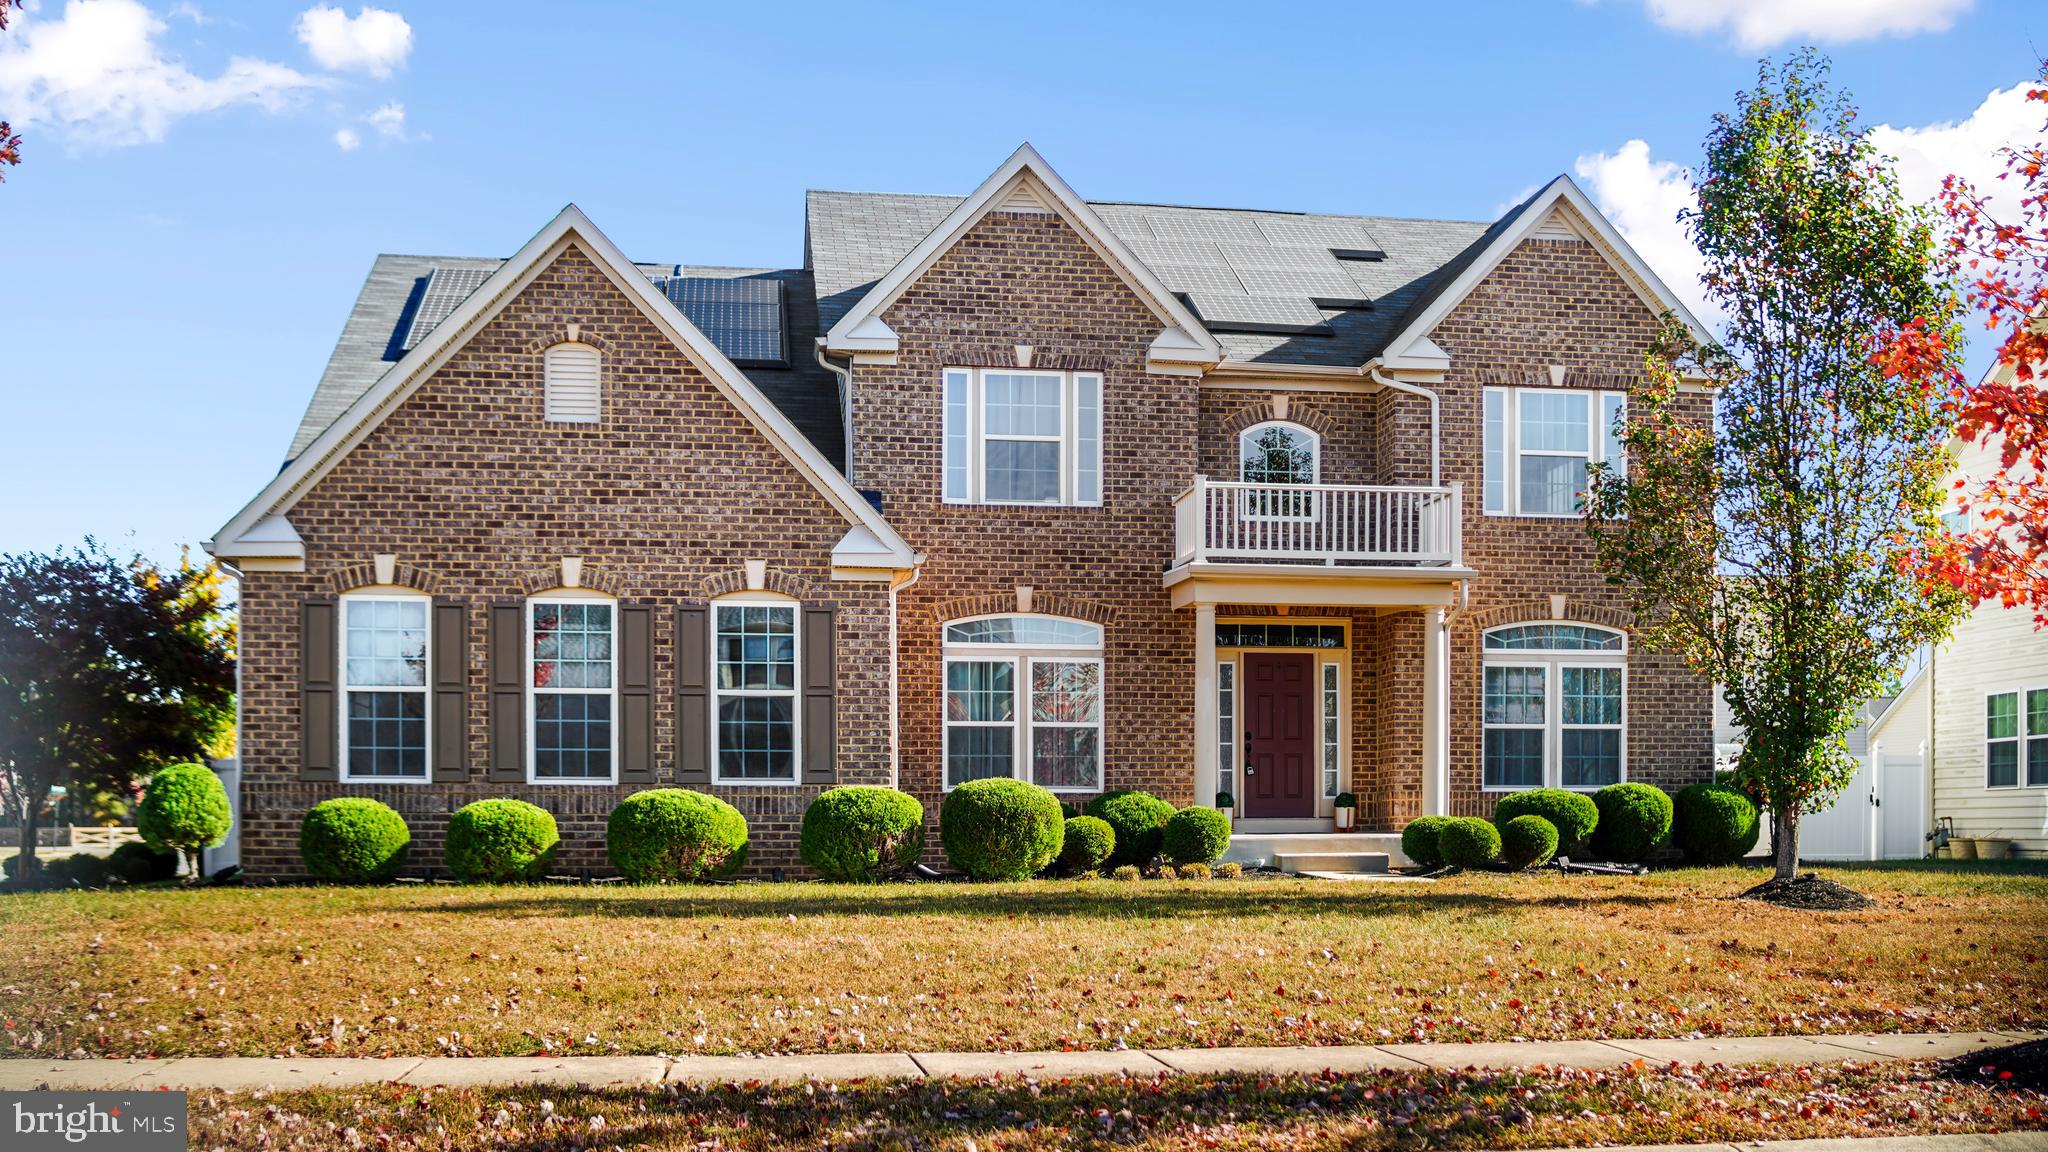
pixel 446 289
pixel 742 316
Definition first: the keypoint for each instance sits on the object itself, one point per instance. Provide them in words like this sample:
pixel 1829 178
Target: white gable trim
pixel 1411 347
pixel 261 529
pixel 1183 347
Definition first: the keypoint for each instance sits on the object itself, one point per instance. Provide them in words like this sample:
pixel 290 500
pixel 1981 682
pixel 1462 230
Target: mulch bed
pixel 1811 892
pixel 2020 1067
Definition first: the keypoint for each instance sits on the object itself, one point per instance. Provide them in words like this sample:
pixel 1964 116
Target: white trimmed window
pixel 1023 699
pixel 570 383
pixel 572 689
pixel 1014 436
pixel 1278 452
pixel 754 686
pixel 1553 700
pixel 384 678
pixel 1540 445
pixel 2016 739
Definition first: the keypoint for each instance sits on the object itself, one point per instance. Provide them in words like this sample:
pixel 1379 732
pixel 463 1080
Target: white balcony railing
pixel 1228 521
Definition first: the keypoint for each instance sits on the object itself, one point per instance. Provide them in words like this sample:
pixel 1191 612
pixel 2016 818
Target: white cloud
pixel 1765 23
pixel 1643 195
pixel 373 40
pixel 389 121
pixel 348 139
pixel 100 72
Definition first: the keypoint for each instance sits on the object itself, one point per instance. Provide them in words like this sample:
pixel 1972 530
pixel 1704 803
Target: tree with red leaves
pixel 10 141
pixel 2005 259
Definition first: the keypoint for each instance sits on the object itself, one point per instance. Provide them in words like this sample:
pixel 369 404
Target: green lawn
pixel 801 968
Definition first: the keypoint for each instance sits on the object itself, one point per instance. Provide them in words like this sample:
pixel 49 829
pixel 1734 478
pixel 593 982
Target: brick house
pixel 1098 495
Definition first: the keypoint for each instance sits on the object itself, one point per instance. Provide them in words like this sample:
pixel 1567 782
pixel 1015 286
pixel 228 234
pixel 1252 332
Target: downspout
pixel 1372 369
pixel 845 399
pixel 896 704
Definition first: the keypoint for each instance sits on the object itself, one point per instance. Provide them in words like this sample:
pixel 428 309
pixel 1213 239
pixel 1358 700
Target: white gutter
pixel 1372 368
pixel 896 705
pixel 845 399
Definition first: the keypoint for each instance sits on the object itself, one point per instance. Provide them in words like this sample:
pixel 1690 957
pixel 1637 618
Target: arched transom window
pixel 1278 453
pixel 1554 706
pixel 1023 698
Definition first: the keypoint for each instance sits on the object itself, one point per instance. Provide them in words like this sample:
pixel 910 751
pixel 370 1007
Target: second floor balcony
pixel 1331 525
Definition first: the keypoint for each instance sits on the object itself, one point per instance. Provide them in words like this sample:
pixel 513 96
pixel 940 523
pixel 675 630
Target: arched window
pixel 1277 452
pixel 569 383
pixel 385 671
pixel 754 639
pixel 572 687
pixel 1023 698
pixel 1554 706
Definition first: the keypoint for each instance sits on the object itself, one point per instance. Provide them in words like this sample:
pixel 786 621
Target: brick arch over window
pixel 1538 611
pixel 549 579
pixel 773 580
pixel 1043 603
pixel 350 577
pixel 559 334
pixel 1302 412
pixel 1574 377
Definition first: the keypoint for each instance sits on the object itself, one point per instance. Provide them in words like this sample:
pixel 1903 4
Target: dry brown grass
pixel 1047 964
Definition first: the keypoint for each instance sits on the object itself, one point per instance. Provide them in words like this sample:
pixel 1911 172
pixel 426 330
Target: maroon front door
pixel 1279 734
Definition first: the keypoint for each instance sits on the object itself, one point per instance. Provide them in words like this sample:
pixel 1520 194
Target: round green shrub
pixel 1635 821
pixel 1527 841
pixel 353 840
pixel 862 833
pixel 1573 814
pixel 1088 843
pixel 1419 841
pixel 501 840
pixel 137 863
pixel 1001 829
pixel 677 834
pixel 1469 842
pixel 1195 835
pixel 1714 824
pixel 184 809
pixel 1140 822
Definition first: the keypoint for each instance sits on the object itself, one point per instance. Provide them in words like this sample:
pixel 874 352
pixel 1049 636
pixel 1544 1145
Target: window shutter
pixel 319 694
pixel 569 383
pixel 636 694
pixel 819 671
pixel 450 638
pixel 508 693
pixel 693 695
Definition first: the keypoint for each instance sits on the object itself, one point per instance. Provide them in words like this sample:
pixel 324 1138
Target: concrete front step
pixel 1268 849
pixel 1331 862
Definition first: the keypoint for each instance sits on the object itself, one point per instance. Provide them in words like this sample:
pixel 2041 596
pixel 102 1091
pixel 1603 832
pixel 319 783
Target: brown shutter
pixel 636 694
pixel 819 672
pixel 508 693
pixel 693 695
pixel 451 691
pixel 319 694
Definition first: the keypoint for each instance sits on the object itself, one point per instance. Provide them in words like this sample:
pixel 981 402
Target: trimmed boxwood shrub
pixel 1573 814
pixel 138 863
pixel 676 834
pixel 862 833
pixel 1635 821
pixel 501 840
pixel 1419 840
pixel 1001 829
pixel 353 840
pixel 1469 842
pixel 1140 822
pixel 1713 824
pixel 1196 835
pixel 184 809
pixel 1527 841
pixel 1088 843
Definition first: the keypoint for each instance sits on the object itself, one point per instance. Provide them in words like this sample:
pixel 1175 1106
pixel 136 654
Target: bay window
pixel 1015 436
pixel 1539 446
pixel 1023 699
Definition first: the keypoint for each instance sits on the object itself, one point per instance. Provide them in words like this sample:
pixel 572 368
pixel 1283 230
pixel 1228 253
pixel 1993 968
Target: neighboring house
pixel 1097 495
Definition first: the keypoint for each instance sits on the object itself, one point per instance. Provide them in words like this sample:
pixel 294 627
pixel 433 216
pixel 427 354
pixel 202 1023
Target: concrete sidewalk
pixel 238 1073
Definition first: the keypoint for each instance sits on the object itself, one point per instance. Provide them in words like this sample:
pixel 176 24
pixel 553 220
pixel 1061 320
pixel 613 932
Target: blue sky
pixel 205 185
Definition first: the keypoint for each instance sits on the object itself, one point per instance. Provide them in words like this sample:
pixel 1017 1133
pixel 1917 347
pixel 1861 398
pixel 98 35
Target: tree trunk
pixel 27 869
pixel 1785 842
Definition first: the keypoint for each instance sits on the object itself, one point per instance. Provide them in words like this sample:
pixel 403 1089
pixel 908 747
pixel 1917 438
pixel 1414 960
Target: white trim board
pixel 1184 347
pixel 569 228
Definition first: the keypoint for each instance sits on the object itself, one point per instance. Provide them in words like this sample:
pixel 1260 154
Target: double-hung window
pixel 1014 436
pixel 1540 445
pixel 573 673
pixel 2016 739
pixel 1023 699
pixel 754 681
pixel 1553 707
pixel 384 679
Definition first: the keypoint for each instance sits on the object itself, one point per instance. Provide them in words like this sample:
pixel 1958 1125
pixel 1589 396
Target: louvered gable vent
pixel 570 379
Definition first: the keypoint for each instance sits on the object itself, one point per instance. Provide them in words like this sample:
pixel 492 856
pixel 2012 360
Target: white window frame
pixel 1309 508
pixel 425 689
pixel 1511 447
pixel 568 596
pixel 1553 661
pixel 794 693
pixel 2022 740
pixel 1072 466
pixel 1021 657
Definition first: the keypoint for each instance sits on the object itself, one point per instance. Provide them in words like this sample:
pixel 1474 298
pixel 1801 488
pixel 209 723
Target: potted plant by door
pixel 1226 804
pixel 1346 808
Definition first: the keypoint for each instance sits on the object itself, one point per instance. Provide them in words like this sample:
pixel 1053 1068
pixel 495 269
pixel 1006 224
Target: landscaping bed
pixel 1043 964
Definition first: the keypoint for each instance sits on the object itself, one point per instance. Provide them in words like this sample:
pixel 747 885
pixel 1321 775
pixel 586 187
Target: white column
pixel 1436 714
pixel 1205 704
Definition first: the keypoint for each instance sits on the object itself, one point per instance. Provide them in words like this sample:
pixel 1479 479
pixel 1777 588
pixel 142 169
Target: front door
pixel 1279 735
